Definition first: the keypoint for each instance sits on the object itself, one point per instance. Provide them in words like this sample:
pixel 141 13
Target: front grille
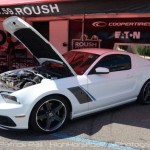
pixel 6 121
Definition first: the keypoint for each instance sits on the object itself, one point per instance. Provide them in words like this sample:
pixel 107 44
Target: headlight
pixel 10 99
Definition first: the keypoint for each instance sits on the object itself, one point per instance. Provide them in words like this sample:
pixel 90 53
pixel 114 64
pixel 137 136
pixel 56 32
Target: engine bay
pixel 21 78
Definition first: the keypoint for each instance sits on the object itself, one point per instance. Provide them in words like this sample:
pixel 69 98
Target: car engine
pixel 21 78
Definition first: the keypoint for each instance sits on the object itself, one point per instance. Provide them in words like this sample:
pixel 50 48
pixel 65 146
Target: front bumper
pixel 12 116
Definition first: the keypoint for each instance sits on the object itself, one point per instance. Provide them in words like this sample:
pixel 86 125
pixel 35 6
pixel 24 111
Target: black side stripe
pixel 80 94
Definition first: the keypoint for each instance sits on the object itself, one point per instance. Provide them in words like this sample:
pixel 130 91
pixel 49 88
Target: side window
pixel 114 62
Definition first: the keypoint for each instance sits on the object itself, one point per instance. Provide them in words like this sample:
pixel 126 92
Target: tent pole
pixel 83 27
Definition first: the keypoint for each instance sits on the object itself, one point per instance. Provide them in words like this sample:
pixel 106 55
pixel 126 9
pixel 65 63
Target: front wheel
pixel 144 96
pixel 49 114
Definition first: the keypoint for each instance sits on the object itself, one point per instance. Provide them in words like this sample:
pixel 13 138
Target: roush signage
pixel 31 10
pixel 85 42
pixel 69 7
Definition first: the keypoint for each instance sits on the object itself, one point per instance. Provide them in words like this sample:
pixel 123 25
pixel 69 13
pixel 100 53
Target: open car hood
pixel 41 48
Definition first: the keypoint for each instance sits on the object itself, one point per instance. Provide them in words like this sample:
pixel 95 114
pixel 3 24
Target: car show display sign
pixel 68 7
pixel 86 42
pixel 110 31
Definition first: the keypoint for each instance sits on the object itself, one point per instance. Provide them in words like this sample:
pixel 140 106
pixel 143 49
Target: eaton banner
pixel 106 32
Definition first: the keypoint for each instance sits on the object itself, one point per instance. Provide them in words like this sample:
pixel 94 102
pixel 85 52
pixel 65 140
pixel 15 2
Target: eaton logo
pixel 127 35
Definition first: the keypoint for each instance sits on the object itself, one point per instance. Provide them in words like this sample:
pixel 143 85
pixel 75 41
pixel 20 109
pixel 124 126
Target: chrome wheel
pixel 146 93
pixel 51 115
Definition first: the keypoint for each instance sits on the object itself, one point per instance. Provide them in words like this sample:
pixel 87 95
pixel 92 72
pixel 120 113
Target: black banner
pixel 76 7
pixel 31 10
pixel 109 31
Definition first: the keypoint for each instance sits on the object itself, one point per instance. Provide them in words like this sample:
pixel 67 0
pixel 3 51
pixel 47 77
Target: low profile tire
pixel 49 114
pixel 144 96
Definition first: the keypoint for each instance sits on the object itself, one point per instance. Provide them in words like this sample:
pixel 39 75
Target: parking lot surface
pixel 123 128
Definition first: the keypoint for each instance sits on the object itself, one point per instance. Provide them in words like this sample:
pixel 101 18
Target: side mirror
pixel 102 70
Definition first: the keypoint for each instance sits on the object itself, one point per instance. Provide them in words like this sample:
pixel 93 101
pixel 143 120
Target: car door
pixel 115 87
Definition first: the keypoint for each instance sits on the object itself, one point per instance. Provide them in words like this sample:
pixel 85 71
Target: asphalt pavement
pixel 123 128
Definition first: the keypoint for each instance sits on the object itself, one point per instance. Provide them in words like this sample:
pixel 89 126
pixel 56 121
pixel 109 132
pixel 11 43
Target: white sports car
pixel 66 87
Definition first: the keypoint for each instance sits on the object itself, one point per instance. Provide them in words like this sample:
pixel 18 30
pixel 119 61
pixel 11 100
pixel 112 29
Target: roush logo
pixel 86 42
pixel 99 24
pixel 30 10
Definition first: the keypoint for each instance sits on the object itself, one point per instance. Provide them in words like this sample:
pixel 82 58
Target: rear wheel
pixel 144 96
pixel 49 114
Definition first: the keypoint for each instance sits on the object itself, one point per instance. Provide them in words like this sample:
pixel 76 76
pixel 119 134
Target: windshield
pixel 80 61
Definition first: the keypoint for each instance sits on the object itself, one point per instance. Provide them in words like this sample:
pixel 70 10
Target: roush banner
pixel 68 7
pixel 44 9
